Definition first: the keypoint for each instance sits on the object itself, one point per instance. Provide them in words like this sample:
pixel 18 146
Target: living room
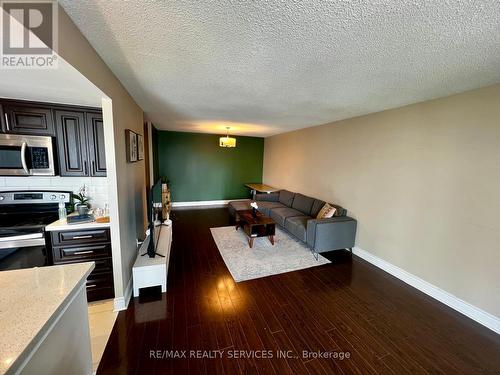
pixel 318 194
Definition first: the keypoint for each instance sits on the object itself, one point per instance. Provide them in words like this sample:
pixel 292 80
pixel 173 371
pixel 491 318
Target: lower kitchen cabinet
pixel 87 245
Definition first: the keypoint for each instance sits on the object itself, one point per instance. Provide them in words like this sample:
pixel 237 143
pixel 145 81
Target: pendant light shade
pixel 227 141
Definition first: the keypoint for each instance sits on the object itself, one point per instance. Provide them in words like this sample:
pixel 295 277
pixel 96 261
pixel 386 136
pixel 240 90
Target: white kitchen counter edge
pixel 62 225
pixel 24 356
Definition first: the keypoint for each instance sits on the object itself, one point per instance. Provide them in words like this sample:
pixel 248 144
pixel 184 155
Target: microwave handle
pixel 23 158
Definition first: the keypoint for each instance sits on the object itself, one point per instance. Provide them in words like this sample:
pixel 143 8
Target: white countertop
pixel 63 225
pixel 30 299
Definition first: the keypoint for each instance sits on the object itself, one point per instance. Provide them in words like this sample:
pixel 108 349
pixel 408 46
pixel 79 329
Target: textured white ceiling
pixel 64 85
pixel 266 67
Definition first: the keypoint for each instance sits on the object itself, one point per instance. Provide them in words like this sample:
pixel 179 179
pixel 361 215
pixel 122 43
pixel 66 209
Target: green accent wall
pixel 200 170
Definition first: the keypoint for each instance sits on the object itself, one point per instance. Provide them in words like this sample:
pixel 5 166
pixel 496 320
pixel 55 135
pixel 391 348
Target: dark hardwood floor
pixel 348 307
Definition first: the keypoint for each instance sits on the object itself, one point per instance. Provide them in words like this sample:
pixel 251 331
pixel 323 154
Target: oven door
pixel 24 251
pixel 23 155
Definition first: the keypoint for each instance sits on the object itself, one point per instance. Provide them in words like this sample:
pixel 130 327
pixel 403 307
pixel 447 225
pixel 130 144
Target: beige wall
pixel 423 181
pixel 126 180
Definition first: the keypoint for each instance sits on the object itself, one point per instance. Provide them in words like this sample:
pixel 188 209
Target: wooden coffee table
pixel 258 226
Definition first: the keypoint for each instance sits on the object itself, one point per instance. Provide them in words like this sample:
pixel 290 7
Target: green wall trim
pixel 200 170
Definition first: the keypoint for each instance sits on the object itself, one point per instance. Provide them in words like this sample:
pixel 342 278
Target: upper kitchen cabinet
pixel 72 143
pixel 95 134
pixel 80 143
pixel 78 132
pixel 27 119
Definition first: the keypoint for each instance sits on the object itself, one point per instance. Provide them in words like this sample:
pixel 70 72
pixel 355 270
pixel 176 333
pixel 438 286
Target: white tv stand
pixel 148 272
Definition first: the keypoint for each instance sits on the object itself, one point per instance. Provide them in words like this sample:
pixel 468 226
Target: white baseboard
pixel 204 203
pixel 486 319
pixel 121 303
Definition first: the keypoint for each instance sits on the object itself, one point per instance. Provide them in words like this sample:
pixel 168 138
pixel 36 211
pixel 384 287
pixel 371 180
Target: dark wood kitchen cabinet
pixel 28 119
pixel 80 141
pixel 95 134
pixel 87 245
pixel 72 143
pixel 78 132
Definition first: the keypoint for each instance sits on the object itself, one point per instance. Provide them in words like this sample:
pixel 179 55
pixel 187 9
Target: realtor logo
pixel 29 34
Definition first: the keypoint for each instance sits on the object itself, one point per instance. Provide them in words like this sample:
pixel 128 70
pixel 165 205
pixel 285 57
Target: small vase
pixel 82 209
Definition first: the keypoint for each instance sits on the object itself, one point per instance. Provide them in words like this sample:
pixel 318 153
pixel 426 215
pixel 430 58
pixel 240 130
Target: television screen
pixel 154 216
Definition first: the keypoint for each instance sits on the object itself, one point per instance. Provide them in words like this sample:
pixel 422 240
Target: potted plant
pixel 81 201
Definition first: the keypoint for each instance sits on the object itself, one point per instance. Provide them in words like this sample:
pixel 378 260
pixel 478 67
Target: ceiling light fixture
pixel 227 141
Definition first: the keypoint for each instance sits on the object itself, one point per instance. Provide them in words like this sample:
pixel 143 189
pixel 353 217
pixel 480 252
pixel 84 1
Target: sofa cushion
pixel 279 215
pixel 297 226
pixel 303 203
pixel 286 197
pixel 265 206
pixel 273 197
pixel 316 207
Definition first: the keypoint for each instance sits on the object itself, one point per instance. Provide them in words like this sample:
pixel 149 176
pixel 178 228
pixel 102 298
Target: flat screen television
pixel 154 206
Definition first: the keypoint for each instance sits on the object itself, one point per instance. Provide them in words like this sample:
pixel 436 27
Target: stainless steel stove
pixel 23 217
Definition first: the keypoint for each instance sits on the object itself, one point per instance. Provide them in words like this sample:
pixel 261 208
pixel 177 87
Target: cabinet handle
pixel 91 286
pixel 85 166
pixel 7 120
pixel 93 167
pixel 81 237
pixel 83 252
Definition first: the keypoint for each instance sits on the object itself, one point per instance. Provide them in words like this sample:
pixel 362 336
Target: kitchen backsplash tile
pixel 97 186
pixel 16 181
pixel 70 181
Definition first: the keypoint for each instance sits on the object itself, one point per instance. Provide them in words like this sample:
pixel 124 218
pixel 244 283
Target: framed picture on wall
pixel 140 147
pixel 131 145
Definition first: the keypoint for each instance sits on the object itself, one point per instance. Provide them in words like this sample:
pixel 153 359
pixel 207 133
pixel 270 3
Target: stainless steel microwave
pixel 26 155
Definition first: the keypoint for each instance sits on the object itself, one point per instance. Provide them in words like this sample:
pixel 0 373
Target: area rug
pixel 263 259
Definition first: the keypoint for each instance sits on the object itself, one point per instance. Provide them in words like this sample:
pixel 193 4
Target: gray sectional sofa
pixel 296 213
